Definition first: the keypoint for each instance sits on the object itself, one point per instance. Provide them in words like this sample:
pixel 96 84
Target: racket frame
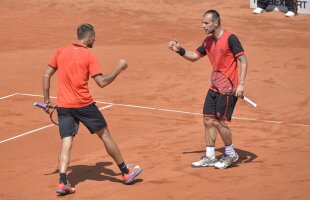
pixel 233 89
pixel 43 106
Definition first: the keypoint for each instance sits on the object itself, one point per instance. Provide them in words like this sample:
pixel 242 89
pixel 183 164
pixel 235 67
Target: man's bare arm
pixel 242 75
pixel 103 80
pixel 46 83
pixel 188 55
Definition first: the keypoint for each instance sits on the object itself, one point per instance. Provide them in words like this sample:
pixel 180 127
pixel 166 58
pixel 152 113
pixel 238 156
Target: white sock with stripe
pixel 229 150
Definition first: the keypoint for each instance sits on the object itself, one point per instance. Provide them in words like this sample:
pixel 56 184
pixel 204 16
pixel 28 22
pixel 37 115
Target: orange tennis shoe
pixel 133 173
pixel 64 189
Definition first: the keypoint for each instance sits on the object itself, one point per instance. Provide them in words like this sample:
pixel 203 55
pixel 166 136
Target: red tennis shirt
pixel 223 54
pixel 74 64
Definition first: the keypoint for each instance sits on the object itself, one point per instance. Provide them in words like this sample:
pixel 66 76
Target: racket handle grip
pixel 43 106
pixel 249 101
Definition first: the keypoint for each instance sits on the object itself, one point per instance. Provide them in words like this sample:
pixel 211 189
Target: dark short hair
pixel 83 29
pixel 215 15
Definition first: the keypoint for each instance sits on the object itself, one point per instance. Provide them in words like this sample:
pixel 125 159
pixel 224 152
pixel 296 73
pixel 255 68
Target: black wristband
pixel 182 51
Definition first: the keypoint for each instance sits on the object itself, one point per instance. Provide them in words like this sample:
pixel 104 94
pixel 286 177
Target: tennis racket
pixel 225 86
pixel 52 113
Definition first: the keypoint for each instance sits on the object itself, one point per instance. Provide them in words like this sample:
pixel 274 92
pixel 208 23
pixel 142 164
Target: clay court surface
pixel 153 108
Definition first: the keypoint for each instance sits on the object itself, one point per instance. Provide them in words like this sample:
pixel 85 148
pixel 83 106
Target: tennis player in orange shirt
pixel 74 64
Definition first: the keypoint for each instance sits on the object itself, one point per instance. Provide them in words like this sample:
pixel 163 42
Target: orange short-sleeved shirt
pixel 74 64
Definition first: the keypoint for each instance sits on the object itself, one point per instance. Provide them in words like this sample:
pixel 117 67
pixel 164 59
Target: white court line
pixel 193 113
pixel 8 96
pixel 38 129
pixel 108 106
pixel 34 95
pixel 183 112
pixel 272 122
pixel 150 108
pixel 23 134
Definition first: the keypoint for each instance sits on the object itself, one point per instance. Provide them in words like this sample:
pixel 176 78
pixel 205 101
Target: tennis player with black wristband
pixel 224 50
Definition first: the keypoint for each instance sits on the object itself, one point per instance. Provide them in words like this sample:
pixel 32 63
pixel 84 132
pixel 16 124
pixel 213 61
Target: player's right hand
pixel 122 65
pixel 49 106
pixel 174 45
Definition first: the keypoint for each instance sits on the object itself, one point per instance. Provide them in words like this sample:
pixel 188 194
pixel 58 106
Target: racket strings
pixel 222 83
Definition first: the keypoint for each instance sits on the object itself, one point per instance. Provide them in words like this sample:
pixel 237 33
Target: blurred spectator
pixel 290 4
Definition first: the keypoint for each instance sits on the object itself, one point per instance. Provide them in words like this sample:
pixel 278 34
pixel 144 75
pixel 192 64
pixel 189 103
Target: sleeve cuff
pixel 52 66
pixel 96 74
pixel 199 54
pixel 239 54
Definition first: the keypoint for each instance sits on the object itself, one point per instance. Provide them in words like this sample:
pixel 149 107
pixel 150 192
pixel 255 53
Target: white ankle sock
pixel 229 150
pixel 210 152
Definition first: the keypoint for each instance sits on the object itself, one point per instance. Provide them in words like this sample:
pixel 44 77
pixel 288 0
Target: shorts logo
pixel 218 114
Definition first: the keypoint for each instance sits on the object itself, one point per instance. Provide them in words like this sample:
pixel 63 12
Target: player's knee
pixel 221 124
pixel 208 121
pixel 217 124
pixel 103 133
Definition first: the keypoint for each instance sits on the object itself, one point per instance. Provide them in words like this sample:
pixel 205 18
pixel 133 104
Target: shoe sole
pixel 211 165
pixel 64 192
pixel 257 13
pixel 232 164
pixel 129 181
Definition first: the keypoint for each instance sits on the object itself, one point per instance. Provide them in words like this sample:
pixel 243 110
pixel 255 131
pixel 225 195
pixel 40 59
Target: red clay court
pixel 153 108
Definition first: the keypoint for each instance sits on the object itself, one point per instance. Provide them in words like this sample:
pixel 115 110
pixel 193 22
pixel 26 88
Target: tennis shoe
pixel 64 189
pixel 227 161
pixel 205 162
pixel 132 174
pixel 258 10
pixel 290 14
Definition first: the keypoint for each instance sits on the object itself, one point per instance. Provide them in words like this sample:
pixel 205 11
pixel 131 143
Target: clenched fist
pixel 174 45
pixel 122 65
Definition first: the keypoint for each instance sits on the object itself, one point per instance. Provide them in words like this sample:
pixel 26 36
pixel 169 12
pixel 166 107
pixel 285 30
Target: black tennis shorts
pixel 70 118
pixel 218 106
